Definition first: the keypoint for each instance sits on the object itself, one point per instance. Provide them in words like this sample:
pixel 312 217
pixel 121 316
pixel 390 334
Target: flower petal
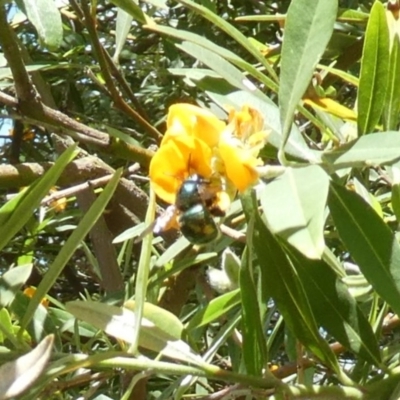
pixel 175 161
pixel 240 165
pixel 246 121
pixel 194 121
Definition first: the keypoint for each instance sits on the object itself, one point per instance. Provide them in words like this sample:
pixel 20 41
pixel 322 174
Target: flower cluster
pixel 196 141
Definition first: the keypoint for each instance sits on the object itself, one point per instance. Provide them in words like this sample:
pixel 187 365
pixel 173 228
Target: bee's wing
pixel 207 192
pixel 161 224
pixel 166 220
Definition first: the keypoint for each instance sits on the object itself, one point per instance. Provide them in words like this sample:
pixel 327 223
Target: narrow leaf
pixel 67 323
pixel 6 327
pixel 11 282
pixel 300 193
pixel 374 149
pixel 370 242
pixel 396 190
pixel 20 374
pixel 15 213
pixel 133 9
pixel 215 309
pixel 392 101
pixel 282 282
pixel 123 26
pixel 143 271
pixel 222 51
pixel 121 323
pixel 253 297
pixel 334 308
pixel 69 247
pixel 160 317
pixel 46 18
pixel 41 325
pixel 331 106
pixel 308 28
pixel 254 340
pixel 218 64
pixel 234 33
pixel 374 70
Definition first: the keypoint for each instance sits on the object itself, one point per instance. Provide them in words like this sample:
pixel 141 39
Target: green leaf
pixel 347 77
pixel 392 101
pixel 69 247
pixel 18 375
pixel 374 149
pixel 358 287
pixel 6 325
pixel 371 243
pixel 232 32
pixel 46 18
pixel 16 212
pixel 66 322
pixel 40 326
pixel 334 308
pixel 254 340
pixel 294 207
pixel 142 274
pixel 218 64
pixel 215 309
pixel 396 190
pixel 121 323
pixel 283 283
pixel 221 51
pixel 6 73
pixel 374 70
pixel 12 281
pixel 163 319
pixel 308 28
pixel 133 9
pixel 360 189
pixel 123 26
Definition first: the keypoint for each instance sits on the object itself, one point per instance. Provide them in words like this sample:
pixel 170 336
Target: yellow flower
pixel 196 141
pixel 60 204
pixel 189 120
pixel 30 291
pixel 175 161
pixel 239 146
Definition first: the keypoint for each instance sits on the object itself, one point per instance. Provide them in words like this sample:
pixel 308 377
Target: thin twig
pixel 118 75
pixel 232 233
pixel 100 54
pixel 94 183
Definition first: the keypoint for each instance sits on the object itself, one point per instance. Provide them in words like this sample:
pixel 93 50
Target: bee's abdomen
pixel 198 225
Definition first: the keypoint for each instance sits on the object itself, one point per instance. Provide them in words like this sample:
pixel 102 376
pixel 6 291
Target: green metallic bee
pixel 198 225
pixel 194 208
pixel 195 202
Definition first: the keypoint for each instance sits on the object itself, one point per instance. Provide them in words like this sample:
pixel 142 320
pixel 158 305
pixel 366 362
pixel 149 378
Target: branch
pixel 23 85
pixel 390 324
pixel 131 202
pixel 60 122
pixel 28 104
pixel 100 54
pixel 19 175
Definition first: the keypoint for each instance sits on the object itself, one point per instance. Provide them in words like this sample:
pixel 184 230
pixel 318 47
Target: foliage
pixel 298 297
